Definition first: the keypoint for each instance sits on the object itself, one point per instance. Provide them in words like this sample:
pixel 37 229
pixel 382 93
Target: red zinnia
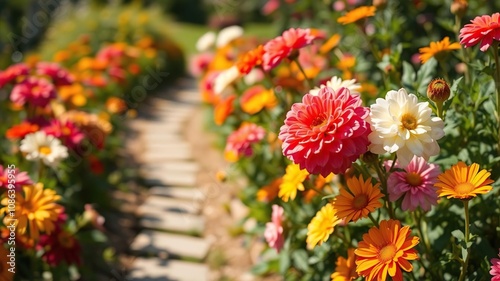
pixel 21 130
pixel 59 246
pixel 12 73
pixel 282 46
pixel 482 29
pixel 325 133
pixel 240 142
pixel 66 131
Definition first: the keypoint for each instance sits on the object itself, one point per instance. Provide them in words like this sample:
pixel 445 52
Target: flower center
pixel 45 150
pixel 409 121
pixel 66 131
pixel 360 201
pixel 65 240
pixel 464 188
pixel 319 121
pixel 387 253
pixel 413 179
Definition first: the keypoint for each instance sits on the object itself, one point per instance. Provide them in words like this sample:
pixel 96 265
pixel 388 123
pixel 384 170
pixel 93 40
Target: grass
pixel 186 34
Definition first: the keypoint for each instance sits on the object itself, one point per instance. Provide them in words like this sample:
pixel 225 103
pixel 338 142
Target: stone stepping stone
pixel 167 178
pixel 187 193
pixel 162 137
pixel 164 127
pixel 167 270
pixel 158 243
pixel 177 166
pixel 170 205
pixel 167 154
pixel 172 146
pixel 154 218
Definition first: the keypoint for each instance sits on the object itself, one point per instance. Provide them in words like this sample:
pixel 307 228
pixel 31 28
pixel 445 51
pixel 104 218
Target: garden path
pixel 170 245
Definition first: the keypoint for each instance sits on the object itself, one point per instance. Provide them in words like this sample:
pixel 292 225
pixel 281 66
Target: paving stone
pixel 176 166
pixel 166 127
pixel 170 205
pixel 157 243
pixel 167 178
pixel 169 146
pixel 188 193
pixel 172 221
pixel 167 154
pixel 167 270
pixel 167 137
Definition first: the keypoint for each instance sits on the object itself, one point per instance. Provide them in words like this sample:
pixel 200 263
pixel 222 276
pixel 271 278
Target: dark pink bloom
pixel 415 184
pixel 282 46
pixel 325 133
pixel 199 63
pixel 58 74
pixel 33 90
pixel 60 246
pixel 274 229
pixel 12 72
pixel 66 131
pixel 110 53
pixel 495 269
pixel 20 178
pixel 482 29
pixel 273 5
pixel 239 143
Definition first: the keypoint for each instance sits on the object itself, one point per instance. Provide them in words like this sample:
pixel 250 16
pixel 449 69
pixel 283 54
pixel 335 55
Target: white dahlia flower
pixel 336 83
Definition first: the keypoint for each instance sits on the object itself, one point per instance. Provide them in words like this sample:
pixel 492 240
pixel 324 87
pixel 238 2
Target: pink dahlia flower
pixel 326 132
pixel 58 74
pixel 415 184
pixel 482 29
pixel 240 141
pixel 495 269
pixel 12 73
pixel 198 64
pixel 20 178
pixel 34 90
pixel 274 229
pixel 66 131
pixel 282 46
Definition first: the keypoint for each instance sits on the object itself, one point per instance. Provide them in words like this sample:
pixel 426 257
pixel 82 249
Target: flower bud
pixel 459 7
pixel 369 157
pixel 438 91
pixel 380 4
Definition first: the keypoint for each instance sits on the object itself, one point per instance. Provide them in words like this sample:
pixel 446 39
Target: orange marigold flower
pixel 21 130
pixel 255 98
pixel 36 210
pixel 346 268
pixel 357 14
pixel 359 201
pixel 115 105
pixel 386 250
pixel 437 49
pixel 250 59
pixel 463 182
pixel 330 44
pixel 223 109
pixel 269 192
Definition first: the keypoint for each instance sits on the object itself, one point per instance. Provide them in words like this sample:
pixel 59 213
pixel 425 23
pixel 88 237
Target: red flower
pixel 33 90
pixel 59 75
pixel 21 130
pixel 66 131
pixel 282 46
pixel 12 72
pixel 60 246
pixel 325 133
pixel 239 142
pixel 483 29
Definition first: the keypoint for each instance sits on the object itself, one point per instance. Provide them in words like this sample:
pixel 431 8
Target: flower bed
pixel 64 118
pixel 367 138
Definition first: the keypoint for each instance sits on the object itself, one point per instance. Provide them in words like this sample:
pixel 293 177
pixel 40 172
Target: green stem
pixel 309 81
pixel 373 219
pixel 383 181
pixel 463 273
pixel 497 84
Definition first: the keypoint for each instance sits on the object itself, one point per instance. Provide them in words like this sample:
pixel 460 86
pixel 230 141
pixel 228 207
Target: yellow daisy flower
pixel 437 49
pixel 357 14
pixel 292 181
pixel 321 226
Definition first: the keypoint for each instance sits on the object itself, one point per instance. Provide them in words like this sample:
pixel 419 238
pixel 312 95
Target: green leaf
pixel 458 234
pixel 409 76
pixel 300 259
pixel 425 75
pixel 284 261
